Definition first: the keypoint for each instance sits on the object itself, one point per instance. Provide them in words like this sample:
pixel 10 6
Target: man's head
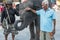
pixel 24 1
pixel 45 4
pixel 9 4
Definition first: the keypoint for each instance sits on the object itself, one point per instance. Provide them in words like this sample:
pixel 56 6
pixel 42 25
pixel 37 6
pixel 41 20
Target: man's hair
pixel 45 2
pixel 9 3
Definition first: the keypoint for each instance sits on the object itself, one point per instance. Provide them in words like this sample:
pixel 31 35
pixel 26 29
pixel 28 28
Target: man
pixel 8 19
pixel 47 16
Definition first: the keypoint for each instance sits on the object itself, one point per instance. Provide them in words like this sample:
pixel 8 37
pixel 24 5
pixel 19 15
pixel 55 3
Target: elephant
pixel 26 17
pixel 29 16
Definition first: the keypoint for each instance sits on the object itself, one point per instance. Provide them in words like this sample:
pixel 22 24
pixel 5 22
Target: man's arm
pixel 2 16
pixel 34 11
pixel 54 24
pixel 16 12
pixel 54 21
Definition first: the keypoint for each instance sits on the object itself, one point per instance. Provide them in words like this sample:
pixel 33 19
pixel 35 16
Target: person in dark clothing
pixel 8 19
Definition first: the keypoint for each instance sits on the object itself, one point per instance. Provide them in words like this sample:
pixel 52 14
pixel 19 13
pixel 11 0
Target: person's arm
pixel 2 16
pixel 16 12
pixel 54 22
pixel 37 12
pixel 34 11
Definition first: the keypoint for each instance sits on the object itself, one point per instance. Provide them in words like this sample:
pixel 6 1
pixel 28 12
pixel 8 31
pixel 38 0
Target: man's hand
pixel 52 33
pixel 27 9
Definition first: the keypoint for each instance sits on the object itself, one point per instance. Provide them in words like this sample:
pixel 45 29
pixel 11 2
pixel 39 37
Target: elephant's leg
pixel 37 24
pixel 32 33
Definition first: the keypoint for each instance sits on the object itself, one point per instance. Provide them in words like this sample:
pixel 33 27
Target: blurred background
pixel 25 34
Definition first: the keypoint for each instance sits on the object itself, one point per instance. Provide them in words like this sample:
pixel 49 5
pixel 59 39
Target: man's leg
pixel 6 33
pixel 44 35
pixel 41 35
pixel 13 36
pixel 6 36
pixel 13 31
pixel 48 36
pixel 32 33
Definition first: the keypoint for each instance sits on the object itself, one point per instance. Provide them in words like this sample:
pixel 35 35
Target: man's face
pixel 44 6
pixel 9 5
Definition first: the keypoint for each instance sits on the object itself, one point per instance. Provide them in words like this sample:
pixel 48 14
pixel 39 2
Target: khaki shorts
pixel 44 35
pixel 10 28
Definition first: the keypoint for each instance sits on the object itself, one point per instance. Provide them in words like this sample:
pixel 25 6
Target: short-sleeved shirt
pixel 46 19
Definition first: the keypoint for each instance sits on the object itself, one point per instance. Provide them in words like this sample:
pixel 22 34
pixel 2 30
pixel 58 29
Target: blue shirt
pixel 46 19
